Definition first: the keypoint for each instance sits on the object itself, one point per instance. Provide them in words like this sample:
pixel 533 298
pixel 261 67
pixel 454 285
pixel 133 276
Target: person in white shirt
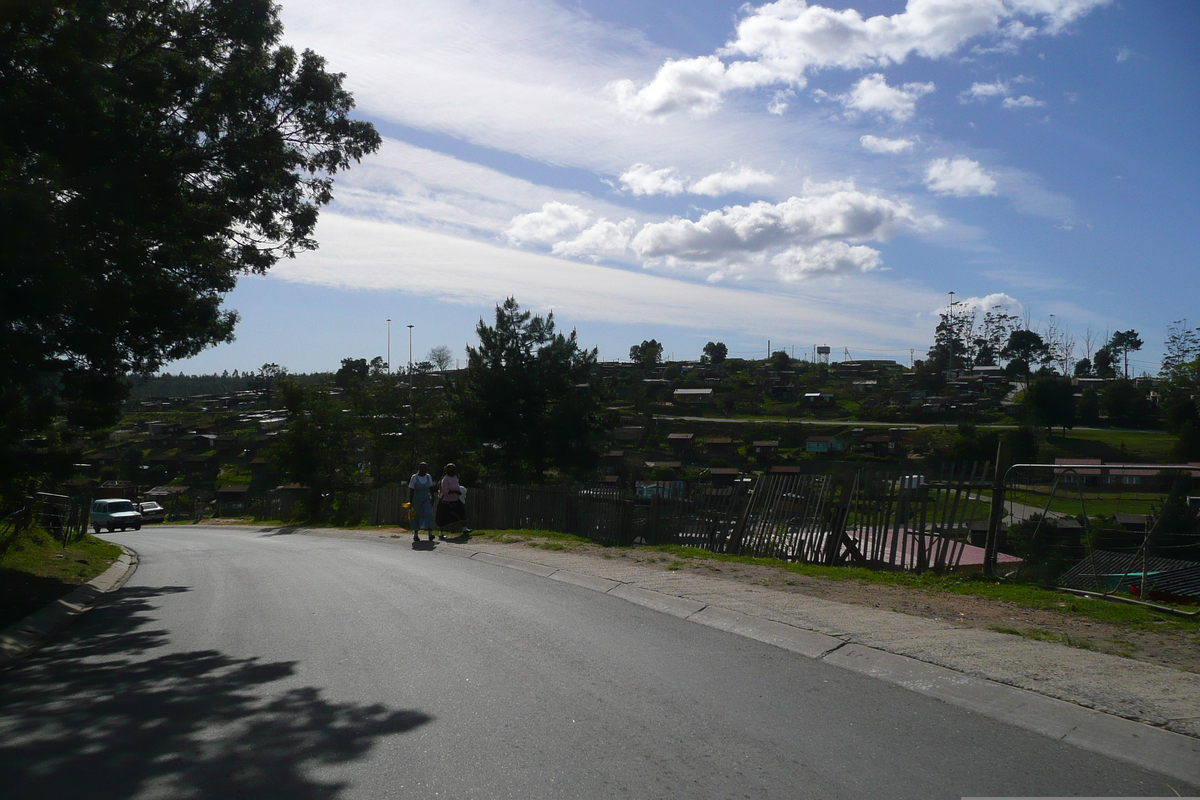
pixel 420 496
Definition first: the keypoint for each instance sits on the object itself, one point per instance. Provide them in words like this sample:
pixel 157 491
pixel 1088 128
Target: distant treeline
pixel 168 385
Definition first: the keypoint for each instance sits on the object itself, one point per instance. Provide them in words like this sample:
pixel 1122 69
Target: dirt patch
pixel 1172 647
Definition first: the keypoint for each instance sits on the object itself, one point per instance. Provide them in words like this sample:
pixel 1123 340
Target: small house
pixel 630 433
pixel 765 448
pixel 718 445
pixel 722 476
pixel 825 444
pixel 233 500
pixel 681 442
pixel 692 396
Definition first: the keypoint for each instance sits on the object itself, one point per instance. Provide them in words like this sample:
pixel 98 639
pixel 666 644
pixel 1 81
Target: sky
pixel 774 176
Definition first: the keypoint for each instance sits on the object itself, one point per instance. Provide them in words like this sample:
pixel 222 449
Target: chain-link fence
pixel 1125 530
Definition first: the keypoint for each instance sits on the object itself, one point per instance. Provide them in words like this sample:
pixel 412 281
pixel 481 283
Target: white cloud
pixel 997 301
pixel 738 180
pixel 642 179
pixel 411 185
pixel 378 256
pixel 1024 101
pixel 604 239
pixel 1123 54
pixel 959 176
pixel 872 95
pixel 689 84
pixel 742 235
pixel 801 262
pixel 783 41
pixel 878 144
pixel 983 91
pixel 779 101
pixel 547 225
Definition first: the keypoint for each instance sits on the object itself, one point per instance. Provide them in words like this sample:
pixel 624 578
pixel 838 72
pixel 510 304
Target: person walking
pixel 420 496
pixel 451 511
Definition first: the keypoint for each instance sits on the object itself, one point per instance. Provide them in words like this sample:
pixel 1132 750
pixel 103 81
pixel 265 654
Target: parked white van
pixel 114 513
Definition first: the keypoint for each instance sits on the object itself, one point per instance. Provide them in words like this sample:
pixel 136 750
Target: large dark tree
pixel 1124 403
pixel 647 354
pixel 1124 342
pixel 151 151
pixel 715 352
pixel 1050 402
pixel 525 389
pixel 1023 349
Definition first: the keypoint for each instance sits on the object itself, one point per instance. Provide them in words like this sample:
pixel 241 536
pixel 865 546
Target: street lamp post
pixel 410 327
pixel 412 411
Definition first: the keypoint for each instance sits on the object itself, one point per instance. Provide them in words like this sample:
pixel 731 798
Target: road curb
pixel 21 638
pixel 1157 749
pixel 1168 753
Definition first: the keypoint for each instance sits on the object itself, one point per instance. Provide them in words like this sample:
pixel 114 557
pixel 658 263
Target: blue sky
pixel 693 171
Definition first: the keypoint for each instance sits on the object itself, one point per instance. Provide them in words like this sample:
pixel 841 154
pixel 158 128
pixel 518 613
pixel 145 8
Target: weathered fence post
pixel 997 511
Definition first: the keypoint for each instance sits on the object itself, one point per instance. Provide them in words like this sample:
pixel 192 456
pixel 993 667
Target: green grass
pixel 1146 447
pixel 1043 635
pixel 35 570
pixel 1066 500
pixel 546 540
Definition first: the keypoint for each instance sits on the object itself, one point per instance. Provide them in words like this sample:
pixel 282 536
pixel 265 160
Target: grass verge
pixel 674 557
pixel 36 570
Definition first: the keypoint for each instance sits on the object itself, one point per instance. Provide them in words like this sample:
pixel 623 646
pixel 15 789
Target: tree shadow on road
pixel 97 714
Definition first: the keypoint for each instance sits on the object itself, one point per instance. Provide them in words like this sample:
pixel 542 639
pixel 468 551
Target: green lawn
pixel 1112 445
pixel 36 570
pixel 1066 500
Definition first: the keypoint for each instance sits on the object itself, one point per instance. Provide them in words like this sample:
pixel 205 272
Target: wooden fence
pixel 875 519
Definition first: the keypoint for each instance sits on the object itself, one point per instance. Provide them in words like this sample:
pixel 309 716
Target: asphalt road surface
pixel 242 663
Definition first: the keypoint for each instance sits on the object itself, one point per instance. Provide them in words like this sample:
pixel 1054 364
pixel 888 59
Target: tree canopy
pixel 525 390
pixel 1125 342
pixel 1050 402
pixel 648 353
pixel 150 153
pixel 1024 348
pixel 715 352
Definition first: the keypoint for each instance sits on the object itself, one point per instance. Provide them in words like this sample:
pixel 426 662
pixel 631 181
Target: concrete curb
pixel 21 638
pixel 1168 753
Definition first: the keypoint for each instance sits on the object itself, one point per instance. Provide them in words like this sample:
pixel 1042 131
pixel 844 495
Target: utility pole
pixel 389 349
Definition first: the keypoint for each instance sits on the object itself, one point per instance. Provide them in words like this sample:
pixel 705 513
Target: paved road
pixel 865 424
pixel 266 663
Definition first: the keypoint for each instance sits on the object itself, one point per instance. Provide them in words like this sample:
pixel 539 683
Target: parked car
pixel 113 513
pixel 152 512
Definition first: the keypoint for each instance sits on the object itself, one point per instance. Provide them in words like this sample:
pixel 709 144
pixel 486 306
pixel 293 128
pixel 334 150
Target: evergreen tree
pixel 525 390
